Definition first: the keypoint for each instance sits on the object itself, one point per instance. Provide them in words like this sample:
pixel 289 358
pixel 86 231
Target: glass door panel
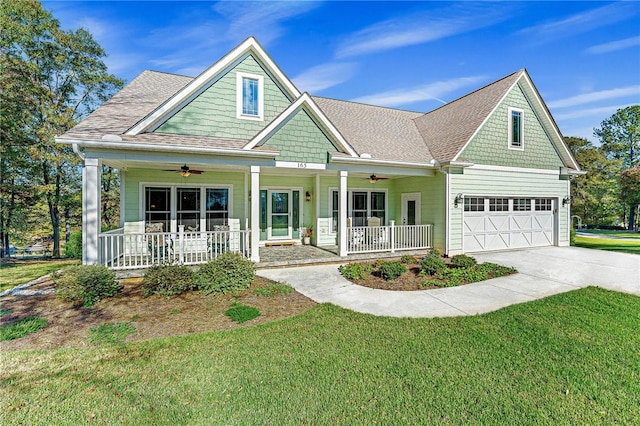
pixel 280 214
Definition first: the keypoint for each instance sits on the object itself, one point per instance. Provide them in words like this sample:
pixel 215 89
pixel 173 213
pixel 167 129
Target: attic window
pixel 249 96
pixel 516 129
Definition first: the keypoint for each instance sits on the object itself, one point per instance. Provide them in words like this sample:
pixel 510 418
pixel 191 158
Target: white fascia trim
pixel 359 160
pixel 450 164
pixel 303 101
pixel 514 169
pixel 555 129
pixel 166 148
pixel 250 45
pixel 487 118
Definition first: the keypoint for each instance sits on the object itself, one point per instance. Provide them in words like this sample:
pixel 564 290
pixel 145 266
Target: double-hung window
pixel 516 128
pixel 249 96
pixel 158 207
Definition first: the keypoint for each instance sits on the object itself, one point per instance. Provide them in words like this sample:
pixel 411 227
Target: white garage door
pixel 491 223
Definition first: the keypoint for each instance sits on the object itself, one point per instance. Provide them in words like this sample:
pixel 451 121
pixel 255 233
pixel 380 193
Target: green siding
pixel 432 196
pixel 486 183
pixel 213 112
pixel 300 140
pixel 490 144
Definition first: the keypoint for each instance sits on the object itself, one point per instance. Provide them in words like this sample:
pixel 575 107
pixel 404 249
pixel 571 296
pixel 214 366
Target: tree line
pixel 609 194
pixel 50 79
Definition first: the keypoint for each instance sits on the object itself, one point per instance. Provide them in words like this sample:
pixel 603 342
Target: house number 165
pixel 302 165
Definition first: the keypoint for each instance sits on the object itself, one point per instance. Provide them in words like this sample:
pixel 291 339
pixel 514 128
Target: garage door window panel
pixel 474 204
pixel 498 204
pixel 543 205
pixel 521 205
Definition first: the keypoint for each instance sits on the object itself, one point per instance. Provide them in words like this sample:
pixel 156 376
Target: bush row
pixel 226 273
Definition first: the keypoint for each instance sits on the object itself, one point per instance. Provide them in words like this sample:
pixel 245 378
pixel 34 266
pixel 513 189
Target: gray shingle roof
pixel 447 129
pixel 385 133
pixel 136 100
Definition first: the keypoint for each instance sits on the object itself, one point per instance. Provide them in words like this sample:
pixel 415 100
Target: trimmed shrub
pixel 86 284
pixel 226 273
pixel 392 270
pixel 435 252
pixel 378 263
pixel 407 259
pixel 432 265
pixel 73 249
pixel 352 271
pixel 167 280
pixel 572 237
pixel 494 270
pixel 463 261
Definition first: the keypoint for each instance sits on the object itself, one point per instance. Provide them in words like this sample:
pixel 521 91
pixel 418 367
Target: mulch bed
pixel 152 316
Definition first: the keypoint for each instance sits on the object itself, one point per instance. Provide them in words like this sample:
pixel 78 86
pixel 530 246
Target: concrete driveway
pixel 542 272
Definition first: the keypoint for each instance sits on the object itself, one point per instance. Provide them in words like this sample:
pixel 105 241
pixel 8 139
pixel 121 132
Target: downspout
pixel 75 148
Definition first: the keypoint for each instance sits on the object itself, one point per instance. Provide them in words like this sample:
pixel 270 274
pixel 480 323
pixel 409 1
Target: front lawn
pixel 569 359
pixel 622 234
pixel 18 272
pixel 608 244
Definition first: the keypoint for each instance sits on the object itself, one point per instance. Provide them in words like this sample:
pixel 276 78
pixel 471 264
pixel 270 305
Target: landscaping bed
pixel 152 317
pixel 409 273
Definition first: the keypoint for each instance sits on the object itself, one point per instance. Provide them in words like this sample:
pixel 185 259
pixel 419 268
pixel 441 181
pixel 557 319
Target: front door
pixel 411 208
pixel 279 220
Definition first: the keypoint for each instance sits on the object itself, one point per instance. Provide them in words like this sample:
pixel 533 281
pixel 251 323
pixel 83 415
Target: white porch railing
pixel 119 250
pixel 371 239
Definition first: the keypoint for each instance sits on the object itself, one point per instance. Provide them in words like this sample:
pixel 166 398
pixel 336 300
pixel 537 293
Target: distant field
pixel 20 272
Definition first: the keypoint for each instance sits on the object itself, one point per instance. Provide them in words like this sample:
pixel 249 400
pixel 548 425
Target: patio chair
pixel 158 245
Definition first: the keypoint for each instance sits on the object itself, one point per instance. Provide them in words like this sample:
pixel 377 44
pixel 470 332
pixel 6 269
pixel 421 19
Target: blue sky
pixel 584 57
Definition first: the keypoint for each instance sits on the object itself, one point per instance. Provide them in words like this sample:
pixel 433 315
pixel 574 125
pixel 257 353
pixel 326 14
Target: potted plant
pixel 308 233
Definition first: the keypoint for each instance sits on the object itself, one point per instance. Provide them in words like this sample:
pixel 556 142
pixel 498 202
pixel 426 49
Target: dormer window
pixel 516 128
pixel 249 96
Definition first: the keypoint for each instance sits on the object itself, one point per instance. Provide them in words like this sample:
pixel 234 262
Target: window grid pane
pixel 377 206
pixel 217 208
pixel 188 210
pixel 543 204
pixel 516 129
pixel 521 205
pixel 158 207
pixel 250 96
pixel 473 204
pixel 498 204
pixel 334 211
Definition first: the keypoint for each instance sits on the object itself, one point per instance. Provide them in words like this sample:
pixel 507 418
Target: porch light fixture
pixel 457 200
pixel 184 171
pixel 373 179
pixel 566 200
pixel 307 196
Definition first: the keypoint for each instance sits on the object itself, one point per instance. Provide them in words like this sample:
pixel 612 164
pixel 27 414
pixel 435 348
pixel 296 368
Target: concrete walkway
pixel 542 272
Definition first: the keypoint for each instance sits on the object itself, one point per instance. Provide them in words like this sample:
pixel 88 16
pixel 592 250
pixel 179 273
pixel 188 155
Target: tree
pixel 630 188
pixel 620 137
pixel 66 80
pixel 594 196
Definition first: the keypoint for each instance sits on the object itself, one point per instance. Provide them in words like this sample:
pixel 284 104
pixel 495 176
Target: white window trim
pixel 239 114
pixel 510 131
pixel 350 203
pixel 174 201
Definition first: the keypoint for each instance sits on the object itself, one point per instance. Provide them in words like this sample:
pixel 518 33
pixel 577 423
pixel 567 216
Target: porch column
pixel 90 210
pixel 342 213
pixel 255 213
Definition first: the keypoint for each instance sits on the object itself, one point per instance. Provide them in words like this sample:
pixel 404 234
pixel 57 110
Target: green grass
pixel 624 234
pixel 608 244
pixel 110 333
pixel 242 313
pixel 14 274
pixel 21 328
pixel 569 359
pixel 274 289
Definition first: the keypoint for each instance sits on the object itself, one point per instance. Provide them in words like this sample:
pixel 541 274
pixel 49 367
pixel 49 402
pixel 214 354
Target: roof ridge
pixel 521 70
pixel 369 105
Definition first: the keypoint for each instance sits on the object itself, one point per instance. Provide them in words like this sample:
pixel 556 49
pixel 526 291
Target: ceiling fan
pixel 185 171
pixel 374 178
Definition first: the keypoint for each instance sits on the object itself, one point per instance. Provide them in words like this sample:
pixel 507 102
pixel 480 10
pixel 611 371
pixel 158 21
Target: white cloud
pixel 601 95
pixel 421 28
pixel 433 91
pixel 614 45
pixel 582 22
pixel 261 19
pixel 590 112
pixel 324 76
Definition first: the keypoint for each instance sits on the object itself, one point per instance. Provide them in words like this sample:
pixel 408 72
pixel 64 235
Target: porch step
pixel 279 243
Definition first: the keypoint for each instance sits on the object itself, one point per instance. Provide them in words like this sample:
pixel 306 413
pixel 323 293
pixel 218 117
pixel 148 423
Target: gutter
pixel 76 149
pixel 164 148
pixel 360 160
